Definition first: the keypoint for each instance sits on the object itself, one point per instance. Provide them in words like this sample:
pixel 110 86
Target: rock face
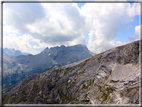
pixel 15 68
pixel 111 77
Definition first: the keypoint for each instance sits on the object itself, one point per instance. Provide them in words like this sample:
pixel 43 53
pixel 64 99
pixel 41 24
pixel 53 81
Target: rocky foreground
pixel 111 77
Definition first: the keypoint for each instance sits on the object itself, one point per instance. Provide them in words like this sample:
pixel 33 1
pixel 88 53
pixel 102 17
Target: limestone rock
pixel 111 77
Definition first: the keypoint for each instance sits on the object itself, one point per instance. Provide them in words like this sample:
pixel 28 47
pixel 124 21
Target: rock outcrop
pixel 111 77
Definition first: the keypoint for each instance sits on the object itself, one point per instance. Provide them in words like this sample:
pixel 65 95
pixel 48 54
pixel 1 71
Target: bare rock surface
pixel 111 77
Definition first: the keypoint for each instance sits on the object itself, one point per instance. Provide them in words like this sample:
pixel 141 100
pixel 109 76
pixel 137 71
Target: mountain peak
pixel 48 58
pixel 8 51
pixel 62 46
pixel 111 77
pixel 14 52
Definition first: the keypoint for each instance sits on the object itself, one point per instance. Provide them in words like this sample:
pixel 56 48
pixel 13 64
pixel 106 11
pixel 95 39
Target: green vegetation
pixel 17 100
pixel 113 81
pixel 85 96
pixel 104 95
pixel 80 73
pixel 100 68
pixel 64 97
pixel 106 77
pixel 23 99
pixel 89 83
pixel 23 91
pixel 35 88
pixel 85 87
pixel 65 83
pixel 6 99
pixel 67 70
pixel 110 89
pixel 31 99
pixel 87 60
pixel 121 94
pixel 75 79
pixel 129 92
pixel 43 82
pixel 83 64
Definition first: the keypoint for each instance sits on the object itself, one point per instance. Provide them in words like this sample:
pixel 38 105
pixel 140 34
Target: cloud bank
pixel 54 24
pixel 106 19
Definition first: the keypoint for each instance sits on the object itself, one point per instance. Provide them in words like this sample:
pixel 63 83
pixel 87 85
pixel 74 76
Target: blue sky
pixel 98 26
pixel 80 5
pixel 122 34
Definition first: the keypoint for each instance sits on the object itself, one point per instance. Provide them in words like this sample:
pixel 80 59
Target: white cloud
pixel 27 43
pixel 23 43
pixel 137 32
pixel 136 35
pixel 55 24
pixel 78 40
pixel 106 21
pixel 17 15
pixel 58 23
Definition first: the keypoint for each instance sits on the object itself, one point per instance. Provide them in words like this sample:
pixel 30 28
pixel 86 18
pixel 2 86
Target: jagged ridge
pixel 111 77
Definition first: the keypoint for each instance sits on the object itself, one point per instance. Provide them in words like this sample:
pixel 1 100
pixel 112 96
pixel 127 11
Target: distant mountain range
pixel 111 77
pixel 17 67
pixel 14 52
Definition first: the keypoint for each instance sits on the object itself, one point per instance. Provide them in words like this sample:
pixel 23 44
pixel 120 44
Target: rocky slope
pixel 111 77
pixel 15 68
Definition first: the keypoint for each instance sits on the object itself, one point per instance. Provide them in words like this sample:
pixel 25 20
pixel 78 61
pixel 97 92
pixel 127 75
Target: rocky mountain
pixel 111 77
pixel 67 55
pixel 15 68
pixel 14 52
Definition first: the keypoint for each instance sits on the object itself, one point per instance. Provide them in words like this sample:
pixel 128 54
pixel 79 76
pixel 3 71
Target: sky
pixel 31 27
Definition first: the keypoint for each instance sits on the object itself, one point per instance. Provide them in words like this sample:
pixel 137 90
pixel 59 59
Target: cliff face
pixel 111 77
